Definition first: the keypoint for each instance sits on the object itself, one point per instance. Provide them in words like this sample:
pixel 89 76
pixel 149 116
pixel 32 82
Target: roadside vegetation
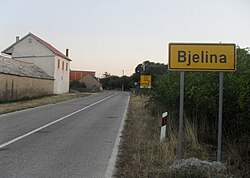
pixel 34 102
pixel 201 110
pixel 142 154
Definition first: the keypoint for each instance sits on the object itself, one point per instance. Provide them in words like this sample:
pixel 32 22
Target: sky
pixel 116 35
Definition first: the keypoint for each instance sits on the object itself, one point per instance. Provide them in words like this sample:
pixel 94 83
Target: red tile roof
pixel 52 48
pixel 49 46
pixel 78 74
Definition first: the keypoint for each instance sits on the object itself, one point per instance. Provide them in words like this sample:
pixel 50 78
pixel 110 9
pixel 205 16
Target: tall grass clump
pixel 201 109
pixel 141 153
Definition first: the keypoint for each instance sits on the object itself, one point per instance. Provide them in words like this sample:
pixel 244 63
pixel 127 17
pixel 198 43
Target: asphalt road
pixel 69 139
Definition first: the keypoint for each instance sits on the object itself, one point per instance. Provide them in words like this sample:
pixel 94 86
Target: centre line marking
pixel 51 123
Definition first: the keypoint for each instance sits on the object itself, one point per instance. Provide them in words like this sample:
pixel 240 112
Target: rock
pixel 206 166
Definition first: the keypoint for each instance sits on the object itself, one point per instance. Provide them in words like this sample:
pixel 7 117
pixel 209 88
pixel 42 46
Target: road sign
pixel 202 57
pixel 145 81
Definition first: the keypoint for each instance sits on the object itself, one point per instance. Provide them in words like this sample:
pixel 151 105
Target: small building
pixel 21 79
pixel 34 50
pixel 78 74
pixel 91 83
pixel 86 77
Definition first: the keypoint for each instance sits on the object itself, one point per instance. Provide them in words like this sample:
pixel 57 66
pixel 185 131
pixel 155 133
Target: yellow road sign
pixel 202 57
pixel 145 81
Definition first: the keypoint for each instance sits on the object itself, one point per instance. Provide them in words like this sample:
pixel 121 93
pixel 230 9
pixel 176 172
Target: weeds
pixel 141 152
pixel 37 101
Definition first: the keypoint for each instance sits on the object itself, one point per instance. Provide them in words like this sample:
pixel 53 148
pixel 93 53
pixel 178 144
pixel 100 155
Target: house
pixel 91 83
pixel 34 50
pixel 78 74
pixel 21 79
pixel 86 77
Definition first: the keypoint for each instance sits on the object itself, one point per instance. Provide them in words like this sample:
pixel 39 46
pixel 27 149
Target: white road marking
pixel 111 166
pixel 51 123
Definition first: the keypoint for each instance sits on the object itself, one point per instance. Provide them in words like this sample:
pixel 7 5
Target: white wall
pixel 30 50
pixel 30 47
pixel 45 63
pixel 61 83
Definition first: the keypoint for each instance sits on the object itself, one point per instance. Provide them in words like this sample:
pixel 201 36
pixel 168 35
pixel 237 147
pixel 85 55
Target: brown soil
pixel 30 103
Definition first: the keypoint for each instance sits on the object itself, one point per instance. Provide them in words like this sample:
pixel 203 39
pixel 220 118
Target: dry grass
pixel 141 153
pixel 30 103
pixel 237 156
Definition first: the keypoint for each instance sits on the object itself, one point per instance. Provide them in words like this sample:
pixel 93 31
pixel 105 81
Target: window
pixel 62 65
pixel 58 64
pixel 67 66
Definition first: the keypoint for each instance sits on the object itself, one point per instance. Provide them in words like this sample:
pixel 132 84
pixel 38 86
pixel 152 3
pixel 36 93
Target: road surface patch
pixel 51 123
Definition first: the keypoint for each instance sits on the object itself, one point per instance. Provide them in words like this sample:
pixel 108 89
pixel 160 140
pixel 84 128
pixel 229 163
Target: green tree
pixel 201 98
pixel 149 68
pixel 111 82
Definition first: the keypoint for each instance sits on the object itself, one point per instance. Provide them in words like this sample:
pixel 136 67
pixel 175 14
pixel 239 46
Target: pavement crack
pixel 4 149
pixel 43 131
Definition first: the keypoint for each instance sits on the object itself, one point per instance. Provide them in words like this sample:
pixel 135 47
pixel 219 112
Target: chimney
pixel 67 52
pixel 17 39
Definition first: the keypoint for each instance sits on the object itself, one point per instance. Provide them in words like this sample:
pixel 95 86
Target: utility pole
pixel 122 80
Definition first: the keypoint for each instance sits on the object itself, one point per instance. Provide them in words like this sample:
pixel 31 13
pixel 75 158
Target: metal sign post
pixel 220 116
pixel 181 115
pixel 201 57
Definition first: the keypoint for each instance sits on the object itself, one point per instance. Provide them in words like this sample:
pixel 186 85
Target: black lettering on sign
pixel 196 58
pixel 181 56
pixel 223 58
pixel 202 57
pixel 213 58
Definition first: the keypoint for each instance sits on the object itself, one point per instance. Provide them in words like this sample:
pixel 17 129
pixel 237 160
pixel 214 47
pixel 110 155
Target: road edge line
pixel 111 166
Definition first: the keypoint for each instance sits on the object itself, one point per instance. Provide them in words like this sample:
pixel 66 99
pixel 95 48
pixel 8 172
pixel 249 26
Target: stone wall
pixel 15 87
